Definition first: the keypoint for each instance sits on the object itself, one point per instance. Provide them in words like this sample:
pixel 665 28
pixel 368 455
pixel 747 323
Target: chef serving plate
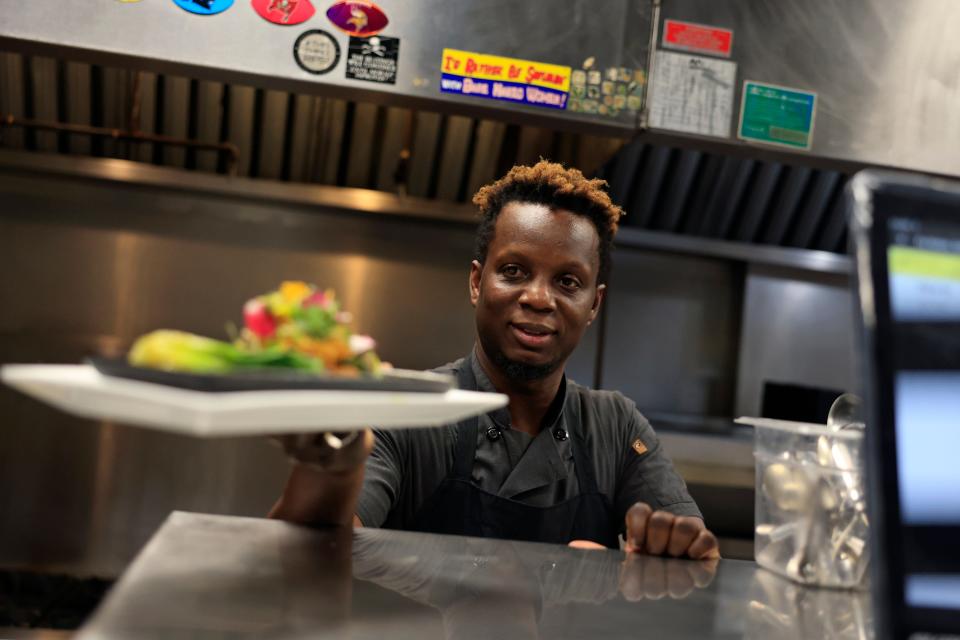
pixel 84 391
pixel 275 379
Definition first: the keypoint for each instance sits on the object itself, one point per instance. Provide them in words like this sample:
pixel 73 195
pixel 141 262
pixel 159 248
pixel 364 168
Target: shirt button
pixel 493 433
pixel 560 434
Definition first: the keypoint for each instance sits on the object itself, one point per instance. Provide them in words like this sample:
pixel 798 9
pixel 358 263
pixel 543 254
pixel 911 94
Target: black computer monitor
pixel 906 237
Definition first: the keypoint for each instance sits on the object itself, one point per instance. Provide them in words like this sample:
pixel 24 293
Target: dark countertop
pixel 206 576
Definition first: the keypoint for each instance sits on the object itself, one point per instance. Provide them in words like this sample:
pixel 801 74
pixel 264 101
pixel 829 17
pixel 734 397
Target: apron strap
pixel 582 466
pixel 467 429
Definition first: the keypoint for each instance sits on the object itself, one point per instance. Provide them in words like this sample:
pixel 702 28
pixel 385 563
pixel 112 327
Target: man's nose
pixel 537 295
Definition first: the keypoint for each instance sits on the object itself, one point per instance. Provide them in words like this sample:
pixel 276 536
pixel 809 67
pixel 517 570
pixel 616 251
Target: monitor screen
pixel 923 266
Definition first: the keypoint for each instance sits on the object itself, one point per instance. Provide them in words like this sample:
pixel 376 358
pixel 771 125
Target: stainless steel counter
pixel 207 576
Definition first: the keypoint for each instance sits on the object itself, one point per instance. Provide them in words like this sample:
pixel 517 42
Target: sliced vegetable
pixel 297 326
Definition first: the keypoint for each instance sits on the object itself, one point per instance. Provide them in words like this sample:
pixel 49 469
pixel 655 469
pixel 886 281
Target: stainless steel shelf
pixel 388 204
pixel 805 259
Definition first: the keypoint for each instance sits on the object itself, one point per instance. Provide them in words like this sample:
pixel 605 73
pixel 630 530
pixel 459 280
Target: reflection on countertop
pixel 205 576
pixel 785 610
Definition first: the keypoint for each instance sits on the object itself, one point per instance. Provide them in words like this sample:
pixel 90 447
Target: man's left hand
pixel 663 533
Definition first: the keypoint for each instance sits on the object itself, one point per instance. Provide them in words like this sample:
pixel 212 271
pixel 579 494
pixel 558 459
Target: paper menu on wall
pixel 692 94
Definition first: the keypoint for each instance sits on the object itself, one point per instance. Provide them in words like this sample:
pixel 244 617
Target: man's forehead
pixel 537 220
pixel 555 234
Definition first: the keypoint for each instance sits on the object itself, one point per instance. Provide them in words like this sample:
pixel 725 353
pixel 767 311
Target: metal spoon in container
pixel 846 413
pixel 847 409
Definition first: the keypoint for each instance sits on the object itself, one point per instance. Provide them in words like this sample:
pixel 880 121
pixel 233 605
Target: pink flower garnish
pixel 318 299
pixel 258 319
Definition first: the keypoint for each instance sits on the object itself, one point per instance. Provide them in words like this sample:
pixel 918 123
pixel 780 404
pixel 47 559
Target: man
pixel 562 463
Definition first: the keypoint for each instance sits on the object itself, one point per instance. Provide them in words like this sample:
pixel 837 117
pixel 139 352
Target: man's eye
pixel 511 271
pixel 569 282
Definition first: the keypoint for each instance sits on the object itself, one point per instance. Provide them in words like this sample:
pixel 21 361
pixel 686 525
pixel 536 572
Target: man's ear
pixel 476 270
pixel 597 301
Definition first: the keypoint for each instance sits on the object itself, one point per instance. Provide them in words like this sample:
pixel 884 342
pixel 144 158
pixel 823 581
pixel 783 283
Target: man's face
pixel 537 291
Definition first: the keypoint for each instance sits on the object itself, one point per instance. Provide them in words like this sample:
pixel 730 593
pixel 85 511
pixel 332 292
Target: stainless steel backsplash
pixel 89 268
pixel 97 252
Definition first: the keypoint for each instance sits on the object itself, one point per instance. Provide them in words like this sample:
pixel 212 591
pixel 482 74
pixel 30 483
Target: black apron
pixel 459 507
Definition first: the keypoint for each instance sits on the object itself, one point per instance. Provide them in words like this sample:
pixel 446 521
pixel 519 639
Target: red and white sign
pixel 698 38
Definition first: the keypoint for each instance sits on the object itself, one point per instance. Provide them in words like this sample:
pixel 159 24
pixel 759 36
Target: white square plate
pixel 82 391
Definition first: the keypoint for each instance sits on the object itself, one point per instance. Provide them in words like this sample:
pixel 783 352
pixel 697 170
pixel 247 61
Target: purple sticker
pixel 357 17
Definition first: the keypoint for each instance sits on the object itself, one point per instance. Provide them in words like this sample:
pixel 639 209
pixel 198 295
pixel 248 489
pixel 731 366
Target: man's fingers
pixel 704 547
pixel 636 521
pixel 658 532
pixel 684 532
pixel 292 443
pixel 337 451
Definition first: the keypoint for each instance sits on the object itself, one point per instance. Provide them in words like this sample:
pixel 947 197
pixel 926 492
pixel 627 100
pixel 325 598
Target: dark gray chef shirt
pixel 407 465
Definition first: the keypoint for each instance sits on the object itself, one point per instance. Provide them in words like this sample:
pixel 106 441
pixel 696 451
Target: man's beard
pixel 521 371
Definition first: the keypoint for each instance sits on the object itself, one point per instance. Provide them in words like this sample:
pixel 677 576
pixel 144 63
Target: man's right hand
pixel 326 478
pixel 330 452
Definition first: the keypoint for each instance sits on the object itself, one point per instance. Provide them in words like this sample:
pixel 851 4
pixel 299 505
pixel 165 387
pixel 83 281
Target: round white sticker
pixel 316 51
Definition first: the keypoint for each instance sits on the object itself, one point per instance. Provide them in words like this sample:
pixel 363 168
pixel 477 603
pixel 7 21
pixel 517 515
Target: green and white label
pixel 777 115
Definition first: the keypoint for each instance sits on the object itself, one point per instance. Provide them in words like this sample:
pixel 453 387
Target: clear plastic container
pixel 811 517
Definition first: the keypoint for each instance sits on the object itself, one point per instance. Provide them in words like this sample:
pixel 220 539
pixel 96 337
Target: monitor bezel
pixel 876 197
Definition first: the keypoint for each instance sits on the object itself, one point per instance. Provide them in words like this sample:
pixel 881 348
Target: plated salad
pixel 298 327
